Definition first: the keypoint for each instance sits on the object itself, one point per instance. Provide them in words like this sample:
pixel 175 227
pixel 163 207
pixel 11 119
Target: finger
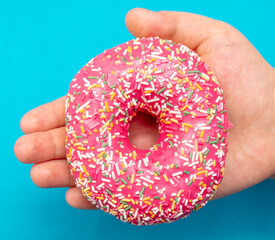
pixel 44 117
pixel 186 28
pixel 75 198
pixel 41 146
pixel 52 174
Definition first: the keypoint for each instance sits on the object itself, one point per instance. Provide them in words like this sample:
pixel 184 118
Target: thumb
pixel 186 28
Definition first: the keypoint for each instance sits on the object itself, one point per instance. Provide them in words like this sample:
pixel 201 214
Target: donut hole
pixel 143 130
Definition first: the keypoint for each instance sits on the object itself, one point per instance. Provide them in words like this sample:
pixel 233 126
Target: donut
pixel 184 168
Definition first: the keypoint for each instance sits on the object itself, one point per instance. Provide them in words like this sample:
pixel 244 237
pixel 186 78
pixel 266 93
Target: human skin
pixel 247 80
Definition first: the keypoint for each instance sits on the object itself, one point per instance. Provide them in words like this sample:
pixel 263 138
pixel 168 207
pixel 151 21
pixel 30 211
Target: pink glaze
pixel 186 165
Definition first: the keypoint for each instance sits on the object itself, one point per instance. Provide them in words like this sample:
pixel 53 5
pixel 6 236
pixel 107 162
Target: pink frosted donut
pixel 183 170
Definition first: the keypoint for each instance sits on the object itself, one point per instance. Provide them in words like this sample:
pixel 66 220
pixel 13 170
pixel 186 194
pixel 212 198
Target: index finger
pixel 45 117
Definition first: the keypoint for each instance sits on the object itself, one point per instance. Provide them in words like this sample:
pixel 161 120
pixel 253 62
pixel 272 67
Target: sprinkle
pixel 108 191
pixel 161 90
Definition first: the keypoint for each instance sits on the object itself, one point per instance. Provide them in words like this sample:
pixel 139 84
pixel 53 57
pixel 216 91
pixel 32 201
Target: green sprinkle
pixel 186 113
pixel 123 59
pixel 182 60
pixel 122 180
pixel 116 180
pixel 188 53
pixel 169 104
pixel 167 42
pixel 194 71
pixel 126 209
pixel 156 197
pixel 103 76
pixel 91 77
pixel 208 111
pixel 177 199
pixel 111 118
pixel 197 64
pixel 207 139
pixel 90 179
pixel 161 90
pixel 171 143
pixel 141 192
pixel 104 145
pixel 190 182
pixel 210 121
pixel 136 58
pixel 176 165
pixel 105 155
pixel 122 91
pixel 215 110
pixel 191 154
pixel 211 183
pixel 185 171
pixel 151 79
pixel 216 141
pixel 105 175
pixel 79 137
pixel 222 139
pixel 124 169
pixel 103 92
pixel 190 94
pixel 105 82
pixel 104 135
pixel 139 171
pixel 108 191
pixel 74 92
pixel 113 86
pixel 206 152
pixel 162 70
pixel 105 164
pixel 77 106
pixel 204 163
pixel 127 115
pixel 121 201
pixel 222 111
pixel 117 106
pixel 128 177
pixel 158 144
pixel 220 126
pixel 157 172
pixel 142 46
pixel 147 154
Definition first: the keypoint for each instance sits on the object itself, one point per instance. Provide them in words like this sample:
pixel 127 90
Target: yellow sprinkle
pixel 165 177
pixel 169 135
pixel 155 164
pixel 173 205
pixel 122 173
pixel 200 157
pixel 93 86
pixel 201 172
pixel 148 203
pixel 202 133
pixel 82 129
pixel 101 198
pixel 187 125
pixel 199 87
pixel 172 165
pixel 84 169
pixel 101 154
pixel 82 148
pixel 194 114
pixel 121 186
pixel 186 106
pixel 174 120
pixel 132 178
pixel 179 193
pixel 107 107
pixel 145 199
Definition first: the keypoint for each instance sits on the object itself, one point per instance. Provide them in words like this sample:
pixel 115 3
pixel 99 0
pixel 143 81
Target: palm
pixel 242 72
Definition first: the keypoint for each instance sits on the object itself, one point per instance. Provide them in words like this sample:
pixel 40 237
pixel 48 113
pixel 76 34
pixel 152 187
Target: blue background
pixel 37 39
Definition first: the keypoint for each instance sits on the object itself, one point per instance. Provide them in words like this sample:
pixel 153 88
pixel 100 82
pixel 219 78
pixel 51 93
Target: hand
pixel 248 82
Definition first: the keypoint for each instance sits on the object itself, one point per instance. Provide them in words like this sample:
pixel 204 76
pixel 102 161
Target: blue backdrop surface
pixel 37 39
